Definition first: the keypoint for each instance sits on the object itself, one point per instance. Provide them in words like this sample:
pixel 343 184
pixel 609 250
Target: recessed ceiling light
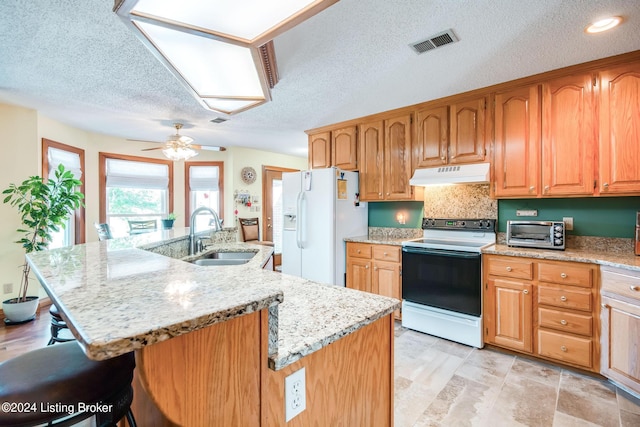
pixel 603 24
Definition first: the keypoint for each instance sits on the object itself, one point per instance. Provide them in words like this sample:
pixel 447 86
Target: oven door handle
pixel 427 251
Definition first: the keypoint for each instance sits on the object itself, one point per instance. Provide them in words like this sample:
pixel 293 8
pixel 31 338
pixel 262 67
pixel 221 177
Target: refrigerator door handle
pixel 300 221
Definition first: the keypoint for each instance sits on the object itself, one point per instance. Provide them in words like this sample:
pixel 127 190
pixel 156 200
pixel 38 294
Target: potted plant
pixel 168 222
pixel 43 207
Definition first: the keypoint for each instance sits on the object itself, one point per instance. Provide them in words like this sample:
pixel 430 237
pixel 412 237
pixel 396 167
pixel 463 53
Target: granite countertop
pixel 378 240
pixel 626 260
pixel 118 297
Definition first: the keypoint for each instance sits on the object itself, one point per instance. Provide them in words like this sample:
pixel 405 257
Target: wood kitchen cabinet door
pixel 620 130
pixel 320 150
pixel 568 136
pixel 509 314
pixel 432 137
pixel 468 131
pixel 344 148
pixel 371 142
pixel 517 143
pixel 397 158
pixel 359 274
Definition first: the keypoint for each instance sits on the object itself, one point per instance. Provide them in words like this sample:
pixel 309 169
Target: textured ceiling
pixel 76 62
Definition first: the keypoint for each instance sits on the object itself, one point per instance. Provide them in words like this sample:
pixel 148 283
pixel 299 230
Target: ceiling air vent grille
pixel 435 41
pixel 218 120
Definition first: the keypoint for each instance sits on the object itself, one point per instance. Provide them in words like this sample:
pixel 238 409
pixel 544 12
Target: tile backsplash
pixel 459 201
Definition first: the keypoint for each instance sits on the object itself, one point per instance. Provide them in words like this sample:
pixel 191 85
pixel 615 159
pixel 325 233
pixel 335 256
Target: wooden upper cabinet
pixel 344 148
pixel 620 130
pixel 320 150
pixel 517 143
pixel 432 137
pixel 468 131
pixel 397 157
pixel 568 136
pixel 371 141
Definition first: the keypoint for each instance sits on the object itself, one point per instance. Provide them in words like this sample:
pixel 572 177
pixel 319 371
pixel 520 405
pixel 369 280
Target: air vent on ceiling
pixel 218 120
pixel 435 41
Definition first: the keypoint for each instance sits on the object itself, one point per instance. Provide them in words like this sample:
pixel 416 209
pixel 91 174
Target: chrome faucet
pixel 192 226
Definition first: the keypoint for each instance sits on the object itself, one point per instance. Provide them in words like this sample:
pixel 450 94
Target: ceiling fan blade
pixel 149 149
pixel 144 140
pixel 207 147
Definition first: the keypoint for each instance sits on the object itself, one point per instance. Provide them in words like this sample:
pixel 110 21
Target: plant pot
pixel 167 224
pixel 17 312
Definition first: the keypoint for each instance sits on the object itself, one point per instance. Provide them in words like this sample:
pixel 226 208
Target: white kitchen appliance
pixel 321 208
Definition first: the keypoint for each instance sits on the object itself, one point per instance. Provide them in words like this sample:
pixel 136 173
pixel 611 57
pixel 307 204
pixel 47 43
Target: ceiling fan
pixel 180 147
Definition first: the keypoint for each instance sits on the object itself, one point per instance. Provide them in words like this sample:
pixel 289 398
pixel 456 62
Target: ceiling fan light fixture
pixel 177 152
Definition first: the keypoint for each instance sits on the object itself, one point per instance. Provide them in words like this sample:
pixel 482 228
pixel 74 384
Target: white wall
pixel 22 159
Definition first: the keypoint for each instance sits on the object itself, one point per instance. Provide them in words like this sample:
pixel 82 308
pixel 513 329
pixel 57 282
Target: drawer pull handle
pixel 605 306
pixel 563 348
pixel 634 288
pixel 509 269
pixel 384 254
pixel 526 292
pixel 563 322
pixel 563 275
pixel 563 298
pixel 358 250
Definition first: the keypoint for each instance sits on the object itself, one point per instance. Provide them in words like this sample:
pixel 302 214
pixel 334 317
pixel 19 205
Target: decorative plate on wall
pixel 248 175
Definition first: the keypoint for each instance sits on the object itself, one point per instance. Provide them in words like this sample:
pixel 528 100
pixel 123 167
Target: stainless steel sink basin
pixel 229 255
pixel 216 261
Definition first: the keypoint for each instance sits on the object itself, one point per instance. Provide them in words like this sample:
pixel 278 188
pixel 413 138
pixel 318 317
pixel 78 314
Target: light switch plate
pixel 527 212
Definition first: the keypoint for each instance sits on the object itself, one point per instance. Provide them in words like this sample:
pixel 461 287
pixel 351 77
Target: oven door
pixel 445 279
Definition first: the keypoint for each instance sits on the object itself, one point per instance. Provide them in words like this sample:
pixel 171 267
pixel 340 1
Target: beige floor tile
pixel 486 367
pixel 524 402
pixel 629 419
pixel 537 371
pixel 588 398
pixel 627 402
pixel 411 402
pixel 563 420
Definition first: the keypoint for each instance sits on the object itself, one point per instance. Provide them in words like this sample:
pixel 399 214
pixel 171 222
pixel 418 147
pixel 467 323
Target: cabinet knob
pixel 563 322
pixel 358 250
pixel 366 266
pixel 443 158
pixel 546 188
pixel 509 269
pixel 563 348
pixel 605 185
pixel 605 306
pixel 532 189
pixel 635 288
pixel 563 298
pixel 526 292
pixel 384 254
pixel 375 268
pixel 380 194
pixel 387 194
pixel 563 275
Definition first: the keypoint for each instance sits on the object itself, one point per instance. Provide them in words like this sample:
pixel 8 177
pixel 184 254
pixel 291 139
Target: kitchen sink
pixel 228 255
pixel 217 261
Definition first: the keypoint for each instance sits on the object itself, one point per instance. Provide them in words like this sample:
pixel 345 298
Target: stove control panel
pixel 459 224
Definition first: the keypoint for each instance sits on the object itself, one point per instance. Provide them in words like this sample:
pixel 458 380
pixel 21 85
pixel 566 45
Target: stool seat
pixel 56 379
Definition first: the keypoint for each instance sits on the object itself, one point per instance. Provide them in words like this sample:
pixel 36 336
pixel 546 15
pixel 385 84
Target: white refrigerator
pixel 320 208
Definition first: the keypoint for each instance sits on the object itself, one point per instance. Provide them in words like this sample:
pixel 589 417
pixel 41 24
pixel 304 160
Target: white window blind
pixel 70 160
pixel 203 178
pixel 131 174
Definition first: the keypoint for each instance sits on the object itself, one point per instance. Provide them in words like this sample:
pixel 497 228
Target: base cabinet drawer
pixel 575 299
pixel 565 348
pixel 565 321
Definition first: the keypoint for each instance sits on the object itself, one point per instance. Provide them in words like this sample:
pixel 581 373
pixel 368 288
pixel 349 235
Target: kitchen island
pixel 214 344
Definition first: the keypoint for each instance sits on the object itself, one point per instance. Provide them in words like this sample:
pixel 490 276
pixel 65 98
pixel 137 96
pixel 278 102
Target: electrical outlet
pixel 295 399
pixel 568 223
pixel 7 288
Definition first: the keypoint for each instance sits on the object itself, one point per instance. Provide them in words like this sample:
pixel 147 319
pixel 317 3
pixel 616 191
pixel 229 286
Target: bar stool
pixel 59 385
pixel 57 324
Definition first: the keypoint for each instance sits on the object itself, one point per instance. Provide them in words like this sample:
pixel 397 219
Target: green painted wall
pixel 383 214
pixel 596 216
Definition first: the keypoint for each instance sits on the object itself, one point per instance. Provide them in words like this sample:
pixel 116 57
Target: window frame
pixel 187 187
pixel 102 173
pixel 78 214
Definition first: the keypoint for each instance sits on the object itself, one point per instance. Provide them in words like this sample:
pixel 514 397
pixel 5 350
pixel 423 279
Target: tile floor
pixel 442 383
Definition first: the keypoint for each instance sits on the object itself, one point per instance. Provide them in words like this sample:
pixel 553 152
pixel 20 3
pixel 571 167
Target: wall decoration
pixel 248 175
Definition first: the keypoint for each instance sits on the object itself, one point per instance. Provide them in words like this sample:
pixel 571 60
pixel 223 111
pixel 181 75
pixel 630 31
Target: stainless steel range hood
pixel 476 173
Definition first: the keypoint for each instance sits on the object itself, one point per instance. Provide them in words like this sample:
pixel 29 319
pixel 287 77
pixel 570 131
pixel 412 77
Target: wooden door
pixel 397 158
pixel 517 143
pixel 620 130
pixel 620 338
pixel 371 142
pixel 432 137
pixel 568 136
pixel 386 280
pixel 359 274
pixel 510 318
pixel 272 208
pixel 467 134
pixel 320 150
pixel 344 148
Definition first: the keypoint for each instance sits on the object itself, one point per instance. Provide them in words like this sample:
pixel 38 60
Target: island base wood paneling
pixel 349 382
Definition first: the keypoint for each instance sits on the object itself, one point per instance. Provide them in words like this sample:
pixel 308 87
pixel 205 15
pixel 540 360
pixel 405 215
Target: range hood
pixel 476 173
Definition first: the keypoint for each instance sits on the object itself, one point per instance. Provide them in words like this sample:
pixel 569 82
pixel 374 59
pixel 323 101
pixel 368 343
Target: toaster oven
pixel 536 234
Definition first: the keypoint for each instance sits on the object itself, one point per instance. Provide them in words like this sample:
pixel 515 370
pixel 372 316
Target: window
pixel 134 189
pixel 204 187
pixel 54 154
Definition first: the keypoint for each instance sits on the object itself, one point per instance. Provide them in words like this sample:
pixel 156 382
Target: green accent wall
pixel 596 216
pixel 383 214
